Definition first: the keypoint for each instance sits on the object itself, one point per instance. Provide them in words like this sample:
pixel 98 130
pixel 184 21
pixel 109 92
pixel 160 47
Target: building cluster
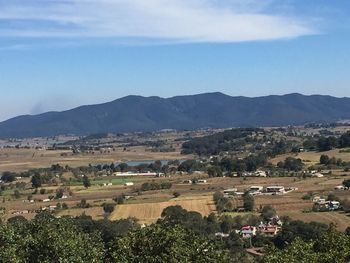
pixel 259 190
pixel 321 204
pixel 270 228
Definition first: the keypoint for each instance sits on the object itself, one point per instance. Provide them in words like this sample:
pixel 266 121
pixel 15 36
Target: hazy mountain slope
pixel 136 113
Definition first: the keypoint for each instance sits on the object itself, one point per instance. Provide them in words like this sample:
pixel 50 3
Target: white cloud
pixel 170 20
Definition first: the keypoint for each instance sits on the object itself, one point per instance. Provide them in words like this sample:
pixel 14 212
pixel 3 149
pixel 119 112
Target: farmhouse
pixel 187 182
pixel 231 191
pixel 247 231
pixel 202 181
pixel 268 230
pixel 275 189
pixel 138 174
pixel 255 188
pixel 340 187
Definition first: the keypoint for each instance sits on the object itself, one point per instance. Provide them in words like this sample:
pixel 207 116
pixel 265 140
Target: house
pixel 247 231
pixel 202 181
pixel 269 230
pixel 231 191
pixel 221 235
pixel 261 173
pixel 340 187
pixel 333 205
pixel 187 182
pixel 137 174
pixel 318 175
pixel 256 188
pixel 275 189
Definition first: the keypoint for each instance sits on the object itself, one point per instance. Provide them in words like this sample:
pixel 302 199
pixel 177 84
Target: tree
pixel 268 212
pixel 59 193
pixel 346 183
pixel 347 231
pixel 332 197
pixel 214 171
pixel 108 208
pixel 86 182
pixel 8 177
pixel 324 159
pixel 332 246
pixel 47 239
pixel 176 194
pixel 16 194
pixel 119 199
pixel 170 244
pixel 291 164
pixel 83 204
pixel 36 180
pixel 248 202
pixel 299 229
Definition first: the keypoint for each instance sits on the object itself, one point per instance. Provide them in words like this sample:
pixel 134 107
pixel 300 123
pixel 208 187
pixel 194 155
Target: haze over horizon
pixel 58 55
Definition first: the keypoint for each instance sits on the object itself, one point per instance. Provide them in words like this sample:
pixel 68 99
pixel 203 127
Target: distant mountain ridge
pixel 215 110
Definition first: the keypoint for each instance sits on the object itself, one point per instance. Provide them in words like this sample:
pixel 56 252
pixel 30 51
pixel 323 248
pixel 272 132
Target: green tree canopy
pixel 159 243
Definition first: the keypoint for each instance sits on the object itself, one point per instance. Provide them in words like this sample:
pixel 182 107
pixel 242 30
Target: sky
pixel 59 54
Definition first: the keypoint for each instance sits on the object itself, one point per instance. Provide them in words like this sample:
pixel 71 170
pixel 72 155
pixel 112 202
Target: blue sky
pixel 58 54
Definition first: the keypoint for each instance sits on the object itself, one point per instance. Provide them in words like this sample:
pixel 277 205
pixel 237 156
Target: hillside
pixel 216 110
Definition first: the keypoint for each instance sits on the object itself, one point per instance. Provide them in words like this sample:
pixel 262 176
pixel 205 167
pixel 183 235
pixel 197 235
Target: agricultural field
pixel 147 205
pixel 150 212
pixel 18 160
pixel 313 157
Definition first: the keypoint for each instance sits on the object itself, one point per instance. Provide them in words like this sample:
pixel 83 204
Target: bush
pixel 108 208
pixel 176 194
pixel 119 199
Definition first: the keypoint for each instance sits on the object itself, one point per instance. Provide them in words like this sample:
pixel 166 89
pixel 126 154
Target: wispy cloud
pixel 170 20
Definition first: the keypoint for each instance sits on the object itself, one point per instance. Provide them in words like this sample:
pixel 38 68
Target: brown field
pixel 23 159
pixel 94 212
pixel 150 212
pixel 340 219
pixel 311 158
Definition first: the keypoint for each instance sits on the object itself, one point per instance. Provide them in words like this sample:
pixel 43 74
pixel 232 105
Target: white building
pixel 275 189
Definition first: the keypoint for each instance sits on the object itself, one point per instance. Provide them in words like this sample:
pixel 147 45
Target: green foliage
pixel 119 199
pixel 331 247
pixel 268 212
pixel 86 181
pixel 83 204
pixel 176 194
pixel 160 243
pixel 307 196
pixel 293 229
pixel 108 208
pixel 291 164
pixel 214 171
pixel 248 202
pixel 8 177
pixel 46 239
pixel 155 186
pixel 36 180
pixel 190 166
pixel 346 183
pixel 219 142
pixel 224 204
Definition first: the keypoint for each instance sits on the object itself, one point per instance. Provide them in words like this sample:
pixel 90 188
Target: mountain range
pixel 214 110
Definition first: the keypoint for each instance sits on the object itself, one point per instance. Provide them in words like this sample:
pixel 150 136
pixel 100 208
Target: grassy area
pixel 115 181
pixel 234 214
